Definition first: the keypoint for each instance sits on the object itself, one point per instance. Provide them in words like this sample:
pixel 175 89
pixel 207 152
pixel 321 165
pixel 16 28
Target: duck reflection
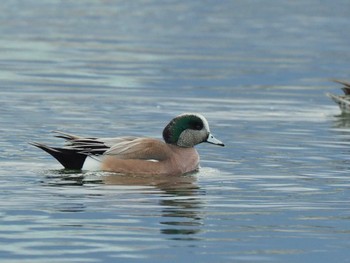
pixel 340 134
pixel 180 202
pixel 179 197
pixel 342 120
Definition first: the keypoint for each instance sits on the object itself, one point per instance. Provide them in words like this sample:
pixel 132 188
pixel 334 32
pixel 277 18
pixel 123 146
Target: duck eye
pixel 197 126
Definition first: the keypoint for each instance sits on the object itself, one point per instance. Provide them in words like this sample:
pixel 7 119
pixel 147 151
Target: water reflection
pixel 178 197
pixel 342 120
pixel 182 213
pixel 180 202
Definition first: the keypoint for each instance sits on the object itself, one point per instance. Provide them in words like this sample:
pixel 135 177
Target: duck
pixel 137 155
pixel 343 101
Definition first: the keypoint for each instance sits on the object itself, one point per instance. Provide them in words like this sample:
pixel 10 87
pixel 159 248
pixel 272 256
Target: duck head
pixel 188 130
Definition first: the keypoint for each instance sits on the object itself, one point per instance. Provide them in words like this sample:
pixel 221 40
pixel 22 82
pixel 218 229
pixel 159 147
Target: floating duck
pixel 138 155
pixel 342 100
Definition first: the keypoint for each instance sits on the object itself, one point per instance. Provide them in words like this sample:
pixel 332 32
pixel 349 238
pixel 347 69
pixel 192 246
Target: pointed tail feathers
pixel 346 86
pixel 69 158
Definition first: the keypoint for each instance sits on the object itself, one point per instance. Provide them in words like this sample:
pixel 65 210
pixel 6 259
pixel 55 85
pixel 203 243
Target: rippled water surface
pixel 258 70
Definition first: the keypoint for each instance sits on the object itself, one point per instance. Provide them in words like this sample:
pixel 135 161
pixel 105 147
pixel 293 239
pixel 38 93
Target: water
pixel 278 191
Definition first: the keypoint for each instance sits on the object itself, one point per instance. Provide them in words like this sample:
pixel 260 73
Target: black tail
pixel 346 87
pixel 69 158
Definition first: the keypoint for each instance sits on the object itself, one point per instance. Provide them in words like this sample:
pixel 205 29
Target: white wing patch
pixel 92 163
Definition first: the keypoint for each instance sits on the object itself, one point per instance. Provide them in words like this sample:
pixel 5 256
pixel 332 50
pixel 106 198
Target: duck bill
pixel 211 139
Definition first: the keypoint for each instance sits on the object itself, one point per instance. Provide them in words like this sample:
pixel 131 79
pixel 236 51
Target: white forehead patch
pixel 204 120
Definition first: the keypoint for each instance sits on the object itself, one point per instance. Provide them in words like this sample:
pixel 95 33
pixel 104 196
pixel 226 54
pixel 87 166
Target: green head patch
pixel 173 130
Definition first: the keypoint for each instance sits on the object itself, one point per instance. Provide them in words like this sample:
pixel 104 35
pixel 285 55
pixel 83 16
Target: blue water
pixel 258 70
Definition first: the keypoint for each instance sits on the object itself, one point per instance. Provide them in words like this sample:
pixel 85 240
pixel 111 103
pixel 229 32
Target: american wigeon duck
pixel 137 155
pixel 342 100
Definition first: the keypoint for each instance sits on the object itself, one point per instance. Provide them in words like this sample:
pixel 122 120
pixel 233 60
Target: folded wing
pixel 140 149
